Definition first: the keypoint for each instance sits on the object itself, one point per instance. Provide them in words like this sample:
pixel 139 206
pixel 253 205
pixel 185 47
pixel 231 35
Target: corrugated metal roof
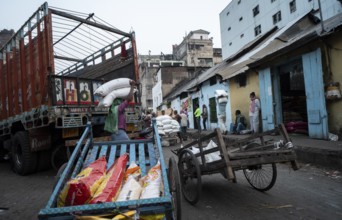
pixel 298 31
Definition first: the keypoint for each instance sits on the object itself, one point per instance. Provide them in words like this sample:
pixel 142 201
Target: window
pixel 257 30
pixel 292 6
pixel 241 36
pixel 227 13
pixel 239 2
pixel 241 80
pixel 229 29
pixel 273 1
pixel 277 17
pixel 240 18
pixel 212 110
pixel 212 80
pixel 230 44
pixel 256 10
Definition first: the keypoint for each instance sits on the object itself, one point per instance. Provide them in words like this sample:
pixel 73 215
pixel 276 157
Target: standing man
pixel 204 117
pixel 184 124
pixel 116 121
pixel 197 114
pixel 254 109
pixel 178 118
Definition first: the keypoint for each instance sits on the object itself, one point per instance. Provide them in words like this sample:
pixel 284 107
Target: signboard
pixel 84 92
pixel 70 92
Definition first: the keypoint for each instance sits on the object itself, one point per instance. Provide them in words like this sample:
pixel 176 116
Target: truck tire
pixel 24 161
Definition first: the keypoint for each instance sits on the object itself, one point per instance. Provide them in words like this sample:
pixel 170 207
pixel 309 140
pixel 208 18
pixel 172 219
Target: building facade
pixel 148 67
pixel 197 50
pixel 242 21
pixel 5 35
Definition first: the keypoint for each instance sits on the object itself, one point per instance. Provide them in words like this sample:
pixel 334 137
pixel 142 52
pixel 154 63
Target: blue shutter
pixel 266 99
pixel 315 99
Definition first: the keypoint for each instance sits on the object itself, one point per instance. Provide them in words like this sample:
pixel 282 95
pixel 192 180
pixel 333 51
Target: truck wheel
pixel 24 161
pixel 44 160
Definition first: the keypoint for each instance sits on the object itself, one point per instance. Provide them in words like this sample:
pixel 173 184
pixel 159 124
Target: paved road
pixel 309 193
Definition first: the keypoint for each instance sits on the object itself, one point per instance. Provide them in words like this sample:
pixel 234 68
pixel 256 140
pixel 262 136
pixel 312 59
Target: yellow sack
pixel 82 188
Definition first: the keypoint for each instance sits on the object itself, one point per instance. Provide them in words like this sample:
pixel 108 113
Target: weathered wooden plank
pixel 132 156
pixel 142 161
pixel 103 151
pixel 123 149
pixel 112 156
pixel 152 154
pixel 238 155
pixel 262 160
pixel 92 156
pixel 229 170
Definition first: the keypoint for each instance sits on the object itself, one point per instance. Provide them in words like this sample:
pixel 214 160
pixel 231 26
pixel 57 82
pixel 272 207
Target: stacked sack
pixel 166 125
pixel 116 88
pixel 94 185
pixel 221 96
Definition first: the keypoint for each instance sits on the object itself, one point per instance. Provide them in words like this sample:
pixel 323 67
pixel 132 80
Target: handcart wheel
pixel 175 190
pixel 261 177
pixel 190 176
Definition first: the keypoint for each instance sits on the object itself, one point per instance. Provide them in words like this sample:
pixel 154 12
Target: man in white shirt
pixel 254 109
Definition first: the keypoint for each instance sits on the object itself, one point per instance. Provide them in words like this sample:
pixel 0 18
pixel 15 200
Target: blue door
pixel 315 99
pixel 266 99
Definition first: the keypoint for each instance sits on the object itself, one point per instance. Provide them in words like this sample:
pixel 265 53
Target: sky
pixel 157 24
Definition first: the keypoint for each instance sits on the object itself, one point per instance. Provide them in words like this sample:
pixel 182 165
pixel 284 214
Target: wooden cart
pixel 145 153
pixel 255 156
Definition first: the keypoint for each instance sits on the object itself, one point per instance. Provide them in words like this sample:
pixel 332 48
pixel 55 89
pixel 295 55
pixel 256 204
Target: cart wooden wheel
pixel 190 176
pixel 175 190
pixel 261 177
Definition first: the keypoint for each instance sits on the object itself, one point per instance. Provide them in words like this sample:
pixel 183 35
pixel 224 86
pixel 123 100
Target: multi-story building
pixel 5 35
pixel 196 50
pixel 242 21
pixel 148 67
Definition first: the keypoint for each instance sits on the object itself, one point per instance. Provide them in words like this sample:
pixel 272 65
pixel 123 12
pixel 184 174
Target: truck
pixel 49 70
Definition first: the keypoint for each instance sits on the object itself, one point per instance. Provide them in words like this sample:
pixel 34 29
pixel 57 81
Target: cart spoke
pixel 261 177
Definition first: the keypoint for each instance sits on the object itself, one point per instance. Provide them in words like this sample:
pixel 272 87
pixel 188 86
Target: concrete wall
pixel 239 96
pixel 171 76
pixel 208 92
pixel 230 18
pixel 334 107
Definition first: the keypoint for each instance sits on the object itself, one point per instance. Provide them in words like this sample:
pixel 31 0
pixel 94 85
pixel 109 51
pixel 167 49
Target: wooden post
pixel 229 170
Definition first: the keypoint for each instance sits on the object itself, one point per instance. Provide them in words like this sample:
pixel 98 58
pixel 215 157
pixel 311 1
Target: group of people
pixel 116 123
pixel 240 123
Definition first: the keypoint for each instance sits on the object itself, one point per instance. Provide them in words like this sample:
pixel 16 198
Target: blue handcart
pixel 145 153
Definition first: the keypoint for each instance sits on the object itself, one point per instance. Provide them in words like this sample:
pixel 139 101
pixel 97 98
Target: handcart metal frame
pixel 255 156
pixel 145 153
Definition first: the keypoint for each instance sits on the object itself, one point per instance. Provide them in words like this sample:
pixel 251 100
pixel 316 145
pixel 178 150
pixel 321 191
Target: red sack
pixel 111 185
pixel 81 189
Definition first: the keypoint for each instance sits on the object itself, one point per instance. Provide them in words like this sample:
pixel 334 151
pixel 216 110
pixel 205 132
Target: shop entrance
pixel 293 97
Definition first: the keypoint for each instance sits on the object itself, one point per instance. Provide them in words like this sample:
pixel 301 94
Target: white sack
pixel 220 93
pixel 118 93
pixel 151 186
pixel 222 99
pixel 114 84
pixel 131 190
pixel 163 117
